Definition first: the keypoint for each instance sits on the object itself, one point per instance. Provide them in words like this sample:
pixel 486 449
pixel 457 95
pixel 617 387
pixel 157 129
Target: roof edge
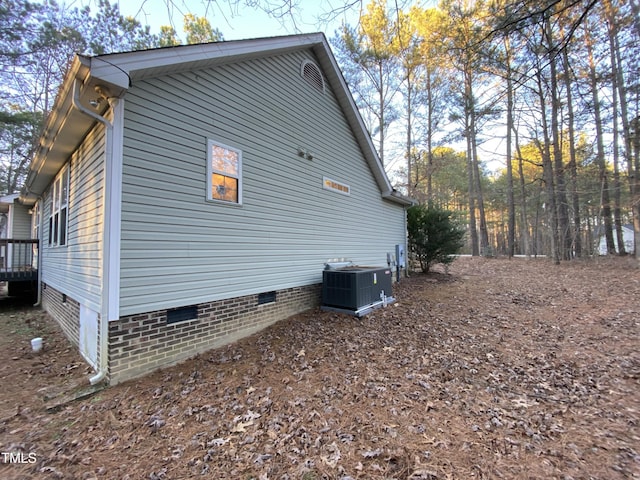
pixel 122 68
pixel 117 70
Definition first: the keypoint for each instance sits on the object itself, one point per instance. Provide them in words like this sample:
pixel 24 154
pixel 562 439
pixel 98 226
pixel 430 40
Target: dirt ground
pixel 499 369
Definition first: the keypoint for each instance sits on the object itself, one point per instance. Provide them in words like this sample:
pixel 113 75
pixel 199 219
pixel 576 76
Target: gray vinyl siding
pixel 180 249
pixel 21 228
pixel 75 269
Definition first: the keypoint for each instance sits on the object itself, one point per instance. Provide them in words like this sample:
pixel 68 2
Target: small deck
pixel 18 260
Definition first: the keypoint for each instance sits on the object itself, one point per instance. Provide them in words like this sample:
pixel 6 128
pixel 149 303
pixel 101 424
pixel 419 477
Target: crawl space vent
pixel 312 74
pixel 182 314
pixel 266 297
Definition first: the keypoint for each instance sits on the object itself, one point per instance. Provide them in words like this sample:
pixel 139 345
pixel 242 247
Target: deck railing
pixel 18 259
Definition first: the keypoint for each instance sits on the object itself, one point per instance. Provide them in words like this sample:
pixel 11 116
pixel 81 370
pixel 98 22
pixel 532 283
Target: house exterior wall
pixel 21 222
pixel 19 229
pixel 139 344
pixel 74 269
pixel 177 248
pixel 71 274
pixel 65 310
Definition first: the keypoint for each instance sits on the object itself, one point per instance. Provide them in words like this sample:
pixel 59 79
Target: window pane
pixel 56 219
pixel 56 195
pixel 224 160
pixel 64 188
pixel 224 188
pixel 63 226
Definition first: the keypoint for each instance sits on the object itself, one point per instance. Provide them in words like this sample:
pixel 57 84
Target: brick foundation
pixel 139 344
pixel 65 310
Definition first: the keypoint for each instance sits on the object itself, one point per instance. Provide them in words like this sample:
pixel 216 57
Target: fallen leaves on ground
pixel 498 369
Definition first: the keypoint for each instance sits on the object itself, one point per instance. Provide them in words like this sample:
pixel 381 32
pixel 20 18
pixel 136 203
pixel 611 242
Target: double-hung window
pixel 224 173
pixel 59 209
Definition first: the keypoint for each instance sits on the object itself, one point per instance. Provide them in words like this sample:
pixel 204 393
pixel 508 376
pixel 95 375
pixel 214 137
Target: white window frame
pixel 59 213
pixel 211 171
pixel 36 213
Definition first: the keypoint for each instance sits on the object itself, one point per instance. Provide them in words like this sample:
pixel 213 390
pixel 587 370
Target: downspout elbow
pixel 98 377
pixel 76 103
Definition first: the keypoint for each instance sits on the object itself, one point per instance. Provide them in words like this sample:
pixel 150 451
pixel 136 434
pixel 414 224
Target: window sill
pixel 223 202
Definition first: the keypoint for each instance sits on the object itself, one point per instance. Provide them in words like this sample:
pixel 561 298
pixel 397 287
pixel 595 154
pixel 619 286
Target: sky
pixel 238 21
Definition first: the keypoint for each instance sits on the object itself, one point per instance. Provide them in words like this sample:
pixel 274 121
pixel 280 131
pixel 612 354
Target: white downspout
pixel 39 266
pixel 107 270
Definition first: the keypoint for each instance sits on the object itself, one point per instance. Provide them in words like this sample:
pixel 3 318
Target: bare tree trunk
pixel 475 251
pixel 511 208
pixel 635 184
pixel 564 231
pixel 381 113
pixel 484 232
pixel 573 167
pixel 617 186
pixel 475 164
pixel 429 137
pixel 523 194
pixel 473 229
pixel 635 6
pixel 600 156
pixel 536 235
pixel 589 234
pixel 547 168
pixel 409 135
pixel 619 88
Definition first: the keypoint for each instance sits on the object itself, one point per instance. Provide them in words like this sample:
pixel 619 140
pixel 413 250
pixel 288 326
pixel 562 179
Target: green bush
pixel 434 236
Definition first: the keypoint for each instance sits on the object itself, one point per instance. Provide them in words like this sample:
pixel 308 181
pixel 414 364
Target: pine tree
pixel 434 237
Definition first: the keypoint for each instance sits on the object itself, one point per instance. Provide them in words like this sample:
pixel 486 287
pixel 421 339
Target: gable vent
pixel 312 74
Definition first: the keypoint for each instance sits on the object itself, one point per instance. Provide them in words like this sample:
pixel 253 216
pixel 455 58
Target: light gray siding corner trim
pixel 113 213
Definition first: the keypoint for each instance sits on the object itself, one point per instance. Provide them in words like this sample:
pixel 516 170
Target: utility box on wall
pixel 354 289
pixel 400 256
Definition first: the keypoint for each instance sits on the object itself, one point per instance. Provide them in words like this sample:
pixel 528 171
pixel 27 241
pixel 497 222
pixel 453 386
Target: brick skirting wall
pixel 65 310
pixel 139 344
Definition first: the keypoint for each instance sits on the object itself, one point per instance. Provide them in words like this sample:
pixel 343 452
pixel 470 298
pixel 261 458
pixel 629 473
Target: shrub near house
pixel 434 237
